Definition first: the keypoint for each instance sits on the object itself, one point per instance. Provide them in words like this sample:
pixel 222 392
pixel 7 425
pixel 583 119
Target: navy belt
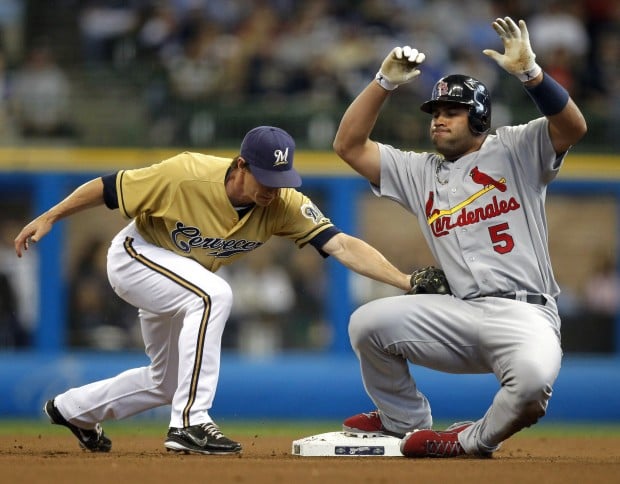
pixel 530 298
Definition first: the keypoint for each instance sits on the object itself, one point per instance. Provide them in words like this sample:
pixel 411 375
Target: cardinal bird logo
pixel 485 180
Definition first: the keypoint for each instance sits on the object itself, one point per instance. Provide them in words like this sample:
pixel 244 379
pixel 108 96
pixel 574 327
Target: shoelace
pixel 443 448
pixel 91 434
pixel 98 430
pixel 212 430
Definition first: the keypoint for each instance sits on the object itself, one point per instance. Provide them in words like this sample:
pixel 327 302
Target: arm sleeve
pixel 321 239
pixel 531 149
pixel 110 197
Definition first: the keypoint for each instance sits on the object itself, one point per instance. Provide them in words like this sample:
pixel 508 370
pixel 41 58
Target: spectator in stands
pixel 98 318
pixel 264 302
pixel 602 290
pixel 41 96
pixel 158 28
pixel 192 76
pixel 606 98
pixel 7 129
pixel 601 18
pixel 308 327
pixel 591 330
pixel 106 28
pixel 557 30
pixel 12 28
pixel 11 332
pixel 15 331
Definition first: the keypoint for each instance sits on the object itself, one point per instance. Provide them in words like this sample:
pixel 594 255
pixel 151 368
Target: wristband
pixel 549 96
pixel 384 83
pixel 529 74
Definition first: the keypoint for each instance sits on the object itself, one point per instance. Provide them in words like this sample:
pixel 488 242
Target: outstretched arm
pixel 566 122
pixel 364 259
pixel 90 194
pixel 352 142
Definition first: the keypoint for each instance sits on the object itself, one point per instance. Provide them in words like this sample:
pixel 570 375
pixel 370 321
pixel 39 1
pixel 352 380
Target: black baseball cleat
pixel 203 438
pixel 90 439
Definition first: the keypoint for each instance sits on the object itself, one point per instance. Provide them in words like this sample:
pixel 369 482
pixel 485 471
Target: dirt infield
pixel 54 458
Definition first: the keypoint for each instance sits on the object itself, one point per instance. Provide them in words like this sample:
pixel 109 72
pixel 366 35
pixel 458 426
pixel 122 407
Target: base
pixel 337 444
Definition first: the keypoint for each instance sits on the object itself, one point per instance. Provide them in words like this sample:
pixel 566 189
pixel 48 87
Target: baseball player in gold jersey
pixel 190 215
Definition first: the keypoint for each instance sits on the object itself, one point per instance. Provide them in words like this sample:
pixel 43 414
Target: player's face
pixel 450 131
pixel 259 194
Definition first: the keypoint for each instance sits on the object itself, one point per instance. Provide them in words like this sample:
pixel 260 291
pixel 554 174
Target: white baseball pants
pixel 183 309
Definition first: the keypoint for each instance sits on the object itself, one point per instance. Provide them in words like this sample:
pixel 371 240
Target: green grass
pixel 302 428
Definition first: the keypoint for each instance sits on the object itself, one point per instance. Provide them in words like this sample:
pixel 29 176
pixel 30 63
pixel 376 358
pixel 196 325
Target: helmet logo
pixel 445 89
pixel 456 91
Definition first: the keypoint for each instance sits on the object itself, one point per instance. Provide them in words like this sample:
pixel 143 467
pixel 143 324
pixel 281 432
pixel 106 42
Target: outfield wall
pixel 305 386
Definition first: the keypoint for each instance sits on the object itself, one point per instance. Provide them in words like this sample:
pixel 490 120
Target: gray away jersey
pixel 483 215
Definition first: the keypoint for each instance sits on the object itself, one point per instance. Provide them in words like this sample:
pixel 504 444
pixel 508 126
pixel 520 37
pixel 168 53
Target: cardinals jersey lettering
pixel 181 204
pixel 485 207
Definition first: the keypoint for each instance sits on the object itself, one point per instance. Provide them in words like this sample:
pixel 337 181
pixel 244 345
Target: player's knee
pixel 218 298
pixel 167 388
pixel 364 324
pixel 358 328
pixel 224 295
pixel 531 390
pixel 164 383
pixel 531 412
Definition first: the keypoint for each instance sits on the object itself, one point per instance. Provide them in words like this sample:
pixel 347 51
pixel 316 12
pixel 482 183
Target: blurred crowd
pixel 249 59
pixel 185 56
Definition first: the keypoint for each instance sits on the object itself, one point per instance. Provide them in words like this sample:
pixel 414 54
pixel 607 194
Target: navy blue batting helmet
pixel 460 89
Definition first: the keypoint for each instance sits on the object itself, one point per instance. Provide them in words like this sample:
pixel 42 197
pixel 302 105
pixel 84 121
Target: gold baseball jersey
pixel 181 204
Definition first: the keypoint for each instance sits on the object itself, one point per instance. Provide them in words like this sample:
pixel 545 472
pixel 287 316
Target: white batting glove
pixel 518 58
pixel 399 67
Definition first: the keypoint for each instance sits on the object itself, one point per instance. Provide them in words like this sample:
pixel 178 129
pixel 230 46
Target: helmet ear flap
pixel 478 124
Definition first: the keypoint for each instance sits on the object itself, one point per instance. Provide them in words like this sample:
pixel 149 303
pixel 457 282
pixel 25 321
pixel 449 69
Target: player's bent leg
pixel 401 407
pixel 526 355
pixel 521 402
pixel 199 345
pixel 436 331
pixel 132 391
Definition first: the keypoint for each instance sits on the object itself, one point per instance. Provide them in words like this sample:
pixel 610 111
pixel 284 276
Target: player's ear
pixel 241 163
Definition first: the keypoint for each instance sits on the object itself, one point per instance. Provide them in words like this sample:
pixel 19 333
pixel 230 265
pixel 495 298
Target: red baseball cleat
pixel 367 425
pixel 431 443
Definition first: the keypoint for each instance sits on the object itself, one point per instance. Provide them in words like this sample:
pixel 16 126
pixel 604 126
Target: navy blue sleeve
pixel 321 239
pixel 110 196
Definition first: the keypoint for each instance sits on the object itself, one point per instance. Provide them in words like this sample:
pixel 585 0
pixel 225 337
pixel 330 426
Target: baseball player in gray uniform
pixel 480 205
pixel 189 215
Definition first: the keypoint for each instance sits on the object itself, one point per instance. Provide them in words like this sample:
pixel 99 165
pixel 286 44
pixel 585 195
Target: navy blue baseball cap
pixel 269 151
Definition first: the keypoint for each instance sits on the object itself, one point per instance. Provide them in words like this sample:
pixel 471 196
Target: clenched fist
pixel 399 67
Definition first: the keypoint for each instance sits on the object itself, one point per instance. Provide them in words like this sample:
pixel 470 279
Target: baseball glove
pixel 429 280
